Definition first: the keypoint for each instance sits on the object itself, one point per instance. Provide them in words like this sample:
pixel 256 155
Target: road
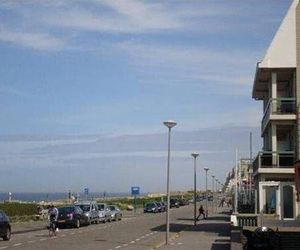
pixel 145 231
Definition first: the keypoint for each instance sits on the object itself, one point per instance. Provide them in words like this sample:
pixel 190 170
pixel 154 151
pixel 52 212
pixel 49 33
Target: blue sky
pixel 122 67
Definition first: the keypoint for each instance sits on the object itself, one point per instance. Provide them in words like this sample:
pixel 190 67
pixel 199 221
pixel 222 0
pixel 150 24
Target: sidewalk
pixel 213 233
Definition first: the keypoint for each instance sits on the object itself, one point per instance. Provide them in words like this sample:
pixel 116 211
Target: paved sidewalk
pixel 213 233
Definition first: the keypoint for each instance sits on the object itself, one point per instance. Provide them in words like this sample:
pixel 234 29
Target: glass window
pixel 270 200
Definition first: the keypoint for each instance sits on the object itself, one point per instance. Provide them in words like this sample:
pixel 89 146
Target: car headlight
pixel 86 214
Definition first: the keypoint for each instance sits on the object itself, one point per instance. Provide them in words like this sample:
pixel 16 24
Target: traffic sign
pixel 135 190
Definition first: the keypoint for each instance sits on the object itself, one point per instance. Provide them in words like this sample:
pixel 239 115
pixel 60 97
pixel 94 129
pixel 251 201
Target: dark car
pixel 116 213
pixel 151 207
pixel 161 207
pixel 174 203
pixel 71 216
pixel 5 229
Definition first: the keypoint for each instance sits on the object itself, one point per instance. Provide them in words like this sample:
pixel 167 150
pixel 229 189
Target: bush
pixel 19 209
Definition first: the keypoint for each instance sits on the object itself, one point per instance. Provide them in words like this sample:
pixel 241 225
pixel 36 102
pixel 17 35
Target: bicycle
pixel 52 228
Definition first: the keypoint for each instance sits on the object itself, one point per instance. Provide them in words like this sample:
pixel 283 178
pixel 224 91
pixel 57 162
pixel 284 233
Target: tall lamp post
pixel 195 155
pixel 206 200
pixel 213 191
pixel 169 124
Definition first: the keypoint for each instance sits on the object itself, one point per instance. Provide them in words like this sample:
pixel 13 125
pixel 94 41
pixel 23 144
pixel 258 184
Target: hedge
pixel 19 209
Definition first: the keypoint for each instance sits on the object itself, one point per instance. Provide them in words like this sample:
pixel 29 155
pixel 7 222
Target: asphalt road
pixel 141 232
pixel 144 231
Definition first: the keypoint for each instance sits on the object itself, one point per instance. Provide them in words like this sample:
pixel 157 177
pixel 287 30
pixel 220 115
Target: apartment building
pixel 276 84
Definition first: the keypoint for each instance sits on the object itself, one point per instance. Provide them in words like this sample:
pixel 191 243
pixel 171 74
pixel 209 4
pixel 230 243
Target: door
pixel 288 202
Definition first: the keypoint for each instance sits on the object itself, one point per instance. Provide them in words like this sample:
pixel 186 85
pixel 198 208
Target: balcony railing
pixel 278 106
pixel 272 159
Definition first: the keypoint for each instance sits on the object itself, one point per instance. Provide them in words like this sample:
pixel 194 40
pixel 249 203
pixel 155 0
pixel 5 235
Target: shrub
pixel 19 209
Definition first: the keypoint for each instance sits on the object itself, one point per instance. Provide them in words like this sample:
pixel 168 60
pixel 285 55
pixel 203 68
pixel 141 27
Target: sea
pixel 37 197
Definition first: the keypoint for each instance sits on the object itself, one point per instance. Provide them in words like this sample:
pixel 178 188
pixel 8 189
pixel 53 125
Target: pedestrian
pixel 222 202
pixel 201 212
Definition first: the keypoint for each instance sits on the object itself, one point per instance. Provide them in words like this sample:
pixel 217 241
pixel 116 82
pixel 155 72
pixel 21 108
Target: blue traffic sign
pixel 135 190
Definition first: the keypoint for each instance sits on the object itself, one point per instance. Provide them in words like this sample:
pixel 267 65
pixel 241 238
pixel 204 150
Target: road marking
pixel 3 247
pixel 125 245
pixel 132 242
pixel 18 244
pixel 31 241
pixel 137 239
pixel 43 239
pixel 117 247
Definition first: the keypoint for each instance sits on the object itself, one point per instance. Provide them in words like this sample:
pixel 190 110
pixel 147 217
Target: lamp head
pixel 170 123
pixel 206 169
pixel 195 155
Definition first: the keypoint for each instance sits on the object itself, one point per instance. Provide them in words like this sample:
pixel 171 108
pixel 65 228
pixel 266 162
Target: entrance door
pixel 288 202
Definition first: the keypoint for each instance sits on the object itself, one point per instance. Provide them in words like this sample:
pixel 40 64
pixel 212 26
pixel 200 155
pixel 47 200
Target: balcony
pixel 282 160
pixel 276 108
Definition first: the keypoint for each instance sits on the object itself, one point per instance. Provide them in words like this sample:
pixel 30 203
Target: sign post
pixel 134 192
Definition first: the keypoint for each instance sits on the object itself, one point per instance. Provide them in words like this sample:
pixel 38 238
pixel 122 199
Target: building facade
pixel 277 86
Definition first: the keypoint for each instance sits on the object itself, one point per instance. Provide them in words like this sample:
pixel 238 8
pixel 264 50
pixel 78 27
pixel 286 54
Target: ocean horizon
pixel 44 196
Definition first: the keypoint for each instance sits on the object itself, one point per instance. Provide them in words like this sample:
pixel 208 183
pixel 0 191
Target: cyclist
pixel 53 215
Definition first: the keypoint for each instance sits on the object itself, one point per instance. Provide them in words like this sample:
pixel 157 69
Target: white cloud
pixel 39 41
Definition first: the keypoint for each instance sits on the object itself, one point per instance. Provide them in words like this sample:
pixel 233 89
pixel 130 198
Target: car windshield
pixel 101 207
pixel 150 205
pixel 112 208
pixel 63 210
pixel 85 208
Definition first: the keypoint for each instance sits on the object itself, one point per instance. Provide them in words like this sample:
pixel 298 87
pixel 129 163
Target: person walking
pixel 201 212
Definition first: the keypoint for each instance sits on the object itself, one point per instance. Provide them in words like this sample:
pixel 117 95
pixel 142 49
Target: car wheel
pixel 77 225
pixel 7 234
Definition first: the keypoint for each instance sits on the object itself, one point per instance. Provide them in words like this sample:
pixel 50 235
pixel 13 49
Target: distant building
pixel 277 85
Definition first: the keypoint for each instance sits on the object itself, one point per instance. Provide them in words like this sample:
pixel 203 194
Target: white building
pixel 276 84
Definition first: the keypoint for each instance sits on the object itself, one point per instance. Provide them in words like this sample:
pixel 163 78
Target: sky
pixel 76 72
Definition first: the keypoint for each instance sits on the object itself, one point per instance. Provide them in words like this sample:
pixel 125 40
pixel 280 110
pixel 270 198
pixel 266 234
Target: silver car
pixel 104 212
pixel 116 213
pixel 90 210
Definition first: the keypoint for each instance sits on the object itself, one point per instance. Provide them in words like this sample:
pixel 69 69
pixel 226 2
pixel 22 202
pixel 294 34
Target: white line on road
pixel 117 247
pixel 31 241
pixel 3 247
pixel 137 239
pixel 43 239
pixel 18 244
pixel 125 245
pixel 132 242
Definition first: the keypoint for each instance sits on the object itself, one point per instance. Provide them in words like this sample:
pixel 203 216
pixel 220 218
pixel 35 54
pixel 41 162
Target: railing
pixel 278 106
pixel 247 220
pixel 272 159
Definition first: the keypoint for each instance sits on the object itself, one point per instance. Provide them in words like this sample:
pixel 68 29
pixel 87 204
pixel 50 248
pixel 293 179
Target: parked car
pixel 90 209
pixel 161 207
pixel 116 213
pixel 151 207
pixel 5 228
pixel 104 212
pixel 71 216
pixel 174 203
pixel 183 202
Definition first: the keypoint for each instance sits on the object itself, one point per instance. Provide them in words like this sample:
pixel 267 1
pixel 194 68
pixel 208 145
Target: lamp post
pixel 169 124
pixel 195 155
pixel 206 212
pixel 217 193
pixel 213 191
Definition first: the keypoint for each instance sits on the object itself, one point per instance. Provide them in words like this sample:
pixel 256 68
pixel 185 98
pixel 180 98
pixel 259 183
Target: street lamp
pixel 206 169
pixel 170 124
pixel 213 190
pixel 195 155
